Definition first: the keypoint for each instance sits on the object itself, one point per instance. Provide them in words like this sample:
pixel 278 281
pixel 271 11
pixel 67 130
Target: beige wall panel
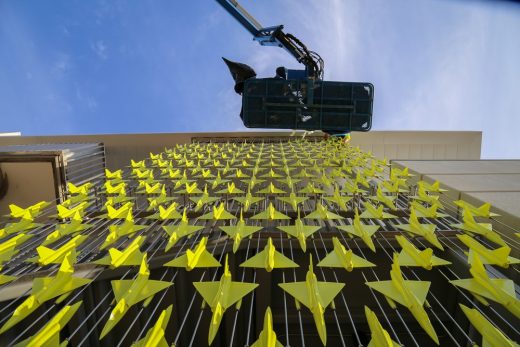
pixel 439 151
pixel 29 183
pixel 463 166
pixel 508 202
pixel 451 151
pixel 481 183
pixel 378 150
pixel 427 151
pixel 463 151
pixel 415 151
pixel 403 151
pixel 391 151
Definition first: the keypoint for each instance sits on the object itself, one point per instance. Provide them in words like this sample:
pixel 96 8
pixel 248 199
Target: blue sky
pixel 81 67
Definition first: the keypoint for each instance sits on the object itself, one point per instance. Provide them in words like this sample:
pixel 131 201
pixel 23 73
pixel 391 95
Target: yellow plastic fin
pixel 205 259
pixel 49 335
pixel 120 288
pixel 155 336
pixel 491 336
pixel 333 260
pixel 323 213
pixel 219 213
pixel 380 337
pixel 6 279
pixel 267 336
pixel 208 290
pixel 269 258
pixel 150 288
pixel 237 290
pixel 387 288
pixel 270 213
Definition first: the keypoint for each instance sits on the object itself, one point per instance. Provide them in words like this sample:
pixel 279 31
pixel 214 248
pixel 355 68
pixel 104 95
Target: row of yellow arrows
pixel 322 166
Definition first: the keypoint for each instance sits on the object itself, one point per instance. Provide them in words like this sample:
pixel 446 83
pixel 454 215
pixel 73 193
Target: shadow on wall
pixel 4 184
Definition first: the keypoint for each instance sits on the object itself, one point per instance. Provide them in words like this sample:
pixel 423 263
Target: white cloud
pixel 100 48
pixel 62 64
pixel 84 98
pixel 454 72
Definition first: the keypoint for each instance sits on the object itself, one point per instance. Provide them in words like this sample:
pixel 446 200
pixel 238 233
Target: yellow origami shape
pixel 372 212
pixel 130 256
pixel 219 213
pixel 338 199
pixel 271 189
pixel 115 176
pixel 119 189
pixel 267 336
pixel 156 335
pixel 341 258
pixel 491 336
pixel 411 256
pixel 200 201
pixel 198 257
pixel 363 231
pixel 269 258
pixel 180 230
pixel 470 226
pixel 119 213
pixel 167 213
pixel 248 200
pixel 499 256
pixel 422 195
pixel 8 248
pixel 322 213
pixel 217 181
pixel 49 335
pixel 48 256
pixel 239 231
pixel 410 294
pixel 293 200
pixel 129 292
pixel 220 295
pixel 270 213
pixel 415 228
pixel 379 336
pixel 137 164
pixel 435 187
pixel 116 231
pixel 75 190
pixel 427 212
pixel 23 225
pixel 388 201
pixel 231 189
pixel 45 289
pixel 155 188
pixel 311 189
pixel 75 226
pixel 500 290
pixel 300 231
pixel 315 295
pixel 30 212
pixel 481 211
pixel 64 212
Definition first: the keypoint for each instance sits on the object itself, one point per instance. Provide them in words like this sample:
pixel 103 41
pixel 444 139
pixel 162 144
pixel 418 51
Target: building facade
pixel 308 198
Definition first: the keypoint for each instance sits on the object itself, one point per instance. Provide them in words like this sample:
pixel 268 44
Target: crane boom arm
pixel 274 36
